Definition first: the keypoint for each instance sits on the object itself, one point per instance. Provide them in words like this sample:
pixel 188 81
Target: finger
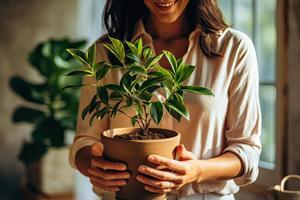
pixel 105 164
pixel 108 175
pixel 155 183
pixel 97 149
pixel 110 189
pixel 108 183
pixel 161 175
pixel 171 164
pixel 183 153
pixel 156 190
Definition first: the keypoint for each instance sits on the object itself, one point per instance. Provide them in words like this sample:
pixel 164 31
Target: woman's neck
pixel 168 31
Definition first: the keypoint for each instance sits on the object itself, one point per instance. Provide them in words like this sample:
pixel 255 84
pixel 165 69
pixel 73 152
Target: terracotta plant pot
pixel 135 153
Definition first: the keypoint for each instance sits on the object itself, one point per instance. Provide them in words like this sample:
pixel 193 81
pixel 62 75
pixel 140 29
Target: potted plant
pixel 52 114
pixel 142 77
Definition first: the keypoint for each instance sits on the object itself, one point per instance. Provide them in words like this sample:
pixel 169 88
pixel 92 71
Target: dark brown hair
pixel 120 17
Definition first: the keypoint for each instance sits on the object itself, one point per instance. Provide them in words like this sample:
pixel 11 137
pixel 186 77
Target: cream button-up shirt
pixel 229 121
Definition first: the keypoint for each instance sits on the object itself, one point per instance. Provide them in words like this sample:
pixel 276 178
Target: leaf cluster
pixel 142 77
pixel 51 111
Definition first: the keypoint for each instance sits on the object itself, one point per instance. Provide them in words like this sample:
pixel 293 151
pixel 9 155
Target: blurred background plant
pixel 52 112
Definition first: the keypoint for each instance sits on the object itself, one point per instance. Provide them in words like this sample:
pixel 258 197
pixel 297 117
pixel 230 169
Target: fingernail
pixel 152 158
pixel 142 168
pixel 138 177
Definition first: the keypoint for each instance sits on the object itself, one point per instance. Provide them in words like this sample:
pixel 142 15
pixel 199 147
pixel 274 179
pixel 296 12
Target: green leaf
pixel 76 86
pixel 147 53
pixel 115 95
pixel 49 132
pixel 114 87
pixel 103 94
pixel 91 54
pixel 24 114
pixel 178 107
pixel 150 62
pixel 116 108
pixel 184 73
pixel 132 47
pixel 139 46
pixel 80 73
pixel 172 60
pixel 116 48
pixel 78 55
pixel 28 91
pixel 156 111
pixel 164 72
pixel 32 152
pixel 85 111
pixel 101 68
pixel 152 81
pixel 133 120
pixel 126 81
pixel 93 104
pixel 197 90
pixel 102 113
pixel 129 101
pixel 92 118
pixel 138 70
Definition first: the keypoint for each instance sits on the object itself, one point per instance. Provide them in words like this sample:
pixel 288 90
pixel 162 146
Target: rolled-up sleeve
pixel 243 120
pixel 85 134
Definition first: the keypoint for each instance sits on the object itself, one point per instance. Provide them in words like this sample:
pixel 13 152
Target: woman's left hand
pixel 175 173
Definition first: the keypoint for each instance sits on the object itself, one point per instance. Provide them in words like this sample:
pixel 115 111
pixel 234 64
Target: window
pixel 257 18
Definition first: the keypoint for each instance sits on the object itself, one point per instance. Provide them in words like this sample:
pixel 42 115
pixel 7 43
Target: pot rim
pixel 141 141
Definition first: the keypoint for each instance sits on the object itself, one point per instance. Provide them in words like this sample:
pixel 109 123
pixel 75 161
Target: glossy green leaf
pixel 184 73
pixel 85 111
pixel 103 94
pixel 197 90
pixel 115 95
pixel 138 70
pixel 178 107
pixel 114 87
pixel 101 69
pixel 78 55
pixel 80 73
pixel 134 120
pixel 132 47
pixel 156 111
pixel 116 108
pixel 172 60
pixel 139 46
pixel 152 81
pixel 150 62
pixel 91 54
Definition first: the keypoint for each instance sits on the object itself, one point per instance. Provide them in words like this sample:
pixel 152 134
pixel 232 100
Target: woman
pixel 221 143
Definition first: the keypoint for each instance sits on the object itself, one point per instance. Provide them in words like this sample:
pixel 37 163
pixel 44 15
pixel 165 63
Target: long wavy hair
pixel 120 17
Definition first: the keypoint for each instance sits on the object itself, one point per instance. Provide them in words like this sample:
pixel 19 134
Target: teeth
pixel 166 4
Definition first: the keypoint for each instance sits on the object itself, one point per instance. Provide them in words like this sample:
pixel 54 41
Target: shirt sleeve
pixel 243 120
pixel 85 134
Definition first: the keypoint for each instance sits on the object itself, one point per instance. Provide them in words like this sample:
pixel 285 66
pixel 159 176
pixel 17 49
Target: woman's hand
pixel 173 175
pixel 104 174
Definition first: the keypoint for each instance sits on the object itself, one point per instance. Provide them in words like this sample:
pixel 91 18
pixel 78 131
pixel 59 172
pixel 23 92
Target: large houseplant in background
pixel 51 112
pixel 143 80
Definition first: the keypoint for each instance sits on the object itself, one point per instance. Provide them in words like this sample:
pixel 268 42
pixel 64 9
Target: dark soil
pixel 141 136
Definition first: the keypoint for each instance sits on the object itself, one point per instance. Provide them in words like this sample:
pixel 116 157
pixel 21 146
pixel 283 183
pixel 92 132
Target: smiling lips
pixel 165 5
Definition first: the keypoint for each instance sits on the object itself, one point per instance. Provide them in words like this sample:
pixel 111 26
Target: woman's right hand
pixel 104 174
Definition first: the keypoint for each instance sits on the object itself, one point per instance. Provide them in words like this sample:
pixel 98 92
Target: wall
pixel 23 25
